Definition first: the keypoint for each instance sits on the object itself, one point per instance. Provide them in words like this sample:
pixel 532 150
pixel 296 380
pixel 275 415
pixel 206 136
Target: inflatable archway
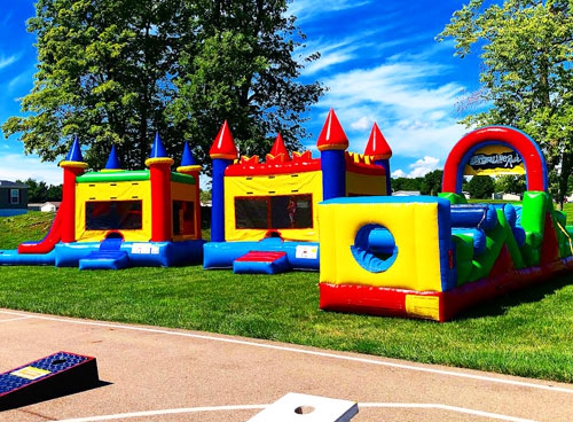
pixel 501 142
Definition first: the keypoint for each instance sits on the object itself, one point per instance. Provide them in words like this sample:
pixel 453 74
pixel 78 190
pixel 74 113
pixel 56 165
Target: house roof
pixel 9 184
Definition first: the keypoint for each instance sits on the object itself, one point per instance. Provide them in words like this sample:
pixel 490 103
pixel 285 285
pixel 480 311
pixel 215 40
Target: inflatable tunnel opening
pixel 114 235
pixel 374 248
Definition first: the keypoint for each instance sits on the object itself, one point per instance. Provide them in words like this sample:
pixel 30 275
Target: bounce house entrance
pixel 108 257
pixel 112 242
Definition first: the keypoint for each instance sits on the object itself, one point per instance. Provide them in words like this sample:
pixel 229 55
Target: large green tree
pixel 481 187
pixel 432 183
pixel 115 71
pixel 527 79
pixel 242 68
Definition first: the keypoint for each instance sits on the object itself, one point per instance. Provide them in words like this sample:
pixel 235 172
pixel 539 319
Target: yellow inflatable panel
pixel 417 263
pixel 427 307
pixel 265 186
pixel 113 192
pixel 365 185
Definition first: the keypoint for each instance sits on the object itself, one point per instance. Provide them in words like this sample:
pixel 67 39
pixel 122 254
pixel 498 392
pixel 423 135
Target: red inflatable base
pixel 437 306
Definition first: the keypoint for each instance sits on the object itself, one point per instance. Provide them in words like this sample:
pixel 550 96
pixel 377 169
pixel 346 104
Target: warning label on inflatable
pixel 306 252
pixel 145 248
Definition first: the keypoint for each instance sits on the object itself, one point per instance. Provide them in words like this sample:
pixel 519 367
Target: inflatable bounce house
pixel 265 214
pixel 116 219
pixel 431 257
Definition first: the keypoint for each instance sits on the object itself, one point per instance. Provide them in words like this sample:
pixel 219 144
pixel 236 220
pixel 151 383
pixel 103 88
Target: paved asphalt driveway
pixel 155 374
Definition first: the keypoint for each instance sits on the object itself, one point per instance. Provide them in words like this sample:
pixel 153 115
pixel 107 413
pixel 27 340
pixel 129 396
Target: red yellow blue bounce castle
pixel 431 257
pixel 265 214
pixel 115 218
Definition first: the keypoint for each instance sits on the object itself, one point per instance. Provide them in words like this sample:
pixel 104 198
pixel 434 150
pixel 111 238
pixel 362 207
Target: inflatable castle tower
pixel 265 214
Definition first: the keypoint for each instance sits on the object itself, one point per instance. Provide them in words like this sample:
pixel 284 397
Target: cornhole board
pixel 52 376
pixel 296 407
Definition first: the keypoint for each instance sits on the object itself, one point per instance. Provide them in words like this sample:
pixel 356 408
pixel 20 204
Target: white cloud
pixel 7 61
pixel 401 85
pixel 398 173
pixel 362 124
pixel 305 9
pixel 22 80
pixel 16 166
pixel 414 110
pixel 423 166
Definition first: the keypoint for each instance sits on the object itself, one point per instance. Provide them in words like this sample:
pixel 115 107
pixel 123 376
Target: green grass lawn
pixel 527 333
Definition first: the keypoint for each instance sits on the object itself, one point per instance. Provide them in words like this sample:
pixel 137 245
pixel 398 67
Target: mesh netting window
pixel 113 215
pixel 274 212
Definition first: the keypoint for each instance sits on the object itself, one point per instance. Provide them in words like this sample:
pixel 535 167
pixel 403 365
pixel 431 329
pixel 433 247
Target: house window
pixel 274 212
pixel 14 196
pixel 113 215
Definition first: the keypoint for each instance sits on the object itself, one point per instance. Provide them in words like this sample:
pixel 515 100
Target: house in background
pixel 13 198
pixel 50 206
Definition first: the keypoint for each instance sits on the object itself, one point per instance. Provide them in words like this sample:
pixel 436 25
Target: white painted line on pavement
pixel 425 406
pixel 164 412
pixel 444 407
pixel 14 319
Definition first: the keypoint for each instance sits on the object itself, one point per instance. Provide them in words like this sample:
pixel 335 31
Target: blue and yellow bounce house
pixel 431 257
pixel 265 214
pixel 115 218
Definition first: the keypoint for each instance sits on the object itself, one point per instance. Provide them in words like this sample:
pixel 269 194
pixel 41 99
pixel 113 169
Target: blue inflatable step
pixel 262 262
pixel 105 260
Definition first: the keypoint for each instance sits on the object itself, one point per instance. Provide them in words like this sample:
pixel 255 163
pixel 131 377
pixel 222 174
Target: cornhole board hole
pixel 52 376
pixel 295 407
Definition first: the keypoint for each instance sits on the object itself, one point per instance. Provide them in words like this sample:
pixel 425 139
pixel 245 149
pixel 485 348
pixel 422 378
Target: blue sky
pixel 379 60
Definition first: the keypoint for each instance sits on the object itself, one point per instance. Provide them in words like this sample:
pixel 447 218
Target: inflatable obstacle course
pixel 428 257
pixel 116 218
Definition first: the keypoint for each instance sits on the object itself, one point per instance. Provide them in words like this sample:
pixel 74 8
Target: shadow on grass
pixel 528 294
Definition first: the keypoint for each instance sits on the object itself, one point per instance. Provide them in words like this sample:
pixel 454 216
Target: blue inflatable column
pixel 223 152
pixel 332 144
pixel 386 165
pixel 333 166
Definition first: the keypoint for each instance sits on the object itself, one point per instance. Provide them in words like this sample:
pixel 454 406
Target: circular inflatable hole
pixel 374 248
pixel 58 361
pixel 304 410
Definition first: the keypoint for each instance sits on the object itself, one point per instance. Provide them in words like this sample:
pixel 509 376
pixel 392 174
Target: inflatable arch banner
pixel 495 150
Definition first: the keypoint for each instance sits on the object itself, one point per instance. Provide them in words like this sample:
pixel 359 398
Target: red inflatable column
pixel 190 167
pixel 161 206
pixel 73 167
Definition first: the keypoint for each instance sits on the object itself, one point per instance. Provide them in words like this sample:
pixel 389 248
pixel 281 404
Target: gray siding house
pixel 13 198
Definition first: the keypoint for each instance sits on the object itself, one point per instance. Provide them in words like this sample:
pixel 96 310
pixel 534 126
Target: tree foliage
pixel 526 48
pixel 115 71
pixel 481 187
pixel 429 184
pixel 40 191
pixel 432 183
pixel 510 183
pixel 407 183
pixel 241 67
